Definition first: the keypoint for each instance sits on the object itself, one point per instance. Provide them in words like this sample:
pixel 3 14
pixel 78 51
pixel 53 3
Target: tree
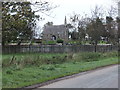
pixel 112 12
pixel 95 27
pixel 118 34
pixel 79 24
pixel 74 35
pixel 95 30
pixel 19 20
pixel 82 28
pixel 111 28
pixel 78 27
pixel 97 12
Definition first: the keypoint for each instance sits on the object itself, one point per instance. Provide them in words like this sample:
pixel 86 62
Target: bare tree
pixel 112 12
pixel 14 0
pixel 42 6
pixel 97 12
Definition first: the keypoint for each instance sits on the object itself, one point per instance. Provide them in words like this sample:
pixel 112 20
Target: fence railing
pixel 57 48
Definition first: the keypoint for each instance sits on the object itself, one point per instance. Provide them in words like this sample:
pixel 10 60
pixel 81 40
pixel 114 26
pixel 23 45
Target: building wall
pixel 59 31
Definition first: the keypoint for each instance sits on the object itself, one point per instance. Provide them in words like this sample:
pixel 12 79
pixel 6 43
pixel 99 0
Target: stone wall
pixel 57 48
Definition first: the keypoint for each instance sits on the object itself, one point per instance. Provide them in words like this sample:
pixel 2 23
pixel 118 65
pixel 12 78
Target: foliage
pixel 96 27
pixel 21 60
pixel 95 30
pixel 102 42
pixel 59 41
pixel 118 21
pixel 48 42
pixel 29 75
pixel 17 21
pixel 38 41
pixel 51 42
pixel 112 32
pixel 74 35
pixel 24 69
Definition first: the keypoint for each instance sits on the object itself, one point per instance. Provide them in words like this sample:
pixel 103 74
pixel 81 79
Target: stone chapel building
pixel 55 32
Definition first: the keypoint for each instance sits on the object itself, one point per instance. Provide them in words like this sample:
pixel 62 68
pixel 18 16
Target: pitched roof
pixel 54 29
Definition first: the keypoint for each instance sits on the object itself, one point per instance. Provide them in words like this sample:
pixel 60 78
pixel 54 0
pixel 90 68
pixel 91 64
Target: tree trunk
pixel 95 46
pixel 19 43
pixel 3 43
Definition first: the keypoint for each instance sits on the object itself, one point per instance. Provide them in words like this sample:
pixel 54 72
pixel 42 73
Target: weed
pixel 22 70
pixel 9 72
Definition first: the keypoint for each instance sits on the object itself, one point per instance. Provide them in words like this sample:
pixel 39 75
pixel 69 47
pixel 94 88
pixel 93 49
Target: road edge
pixel 67 77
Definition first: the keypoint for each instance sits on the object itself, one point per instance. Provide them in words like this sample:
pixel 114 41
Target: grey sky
pixel 68 7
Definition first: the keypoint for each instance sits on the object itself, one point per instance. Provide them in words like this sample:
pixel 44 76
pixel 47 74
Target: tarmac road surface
pixel 106 77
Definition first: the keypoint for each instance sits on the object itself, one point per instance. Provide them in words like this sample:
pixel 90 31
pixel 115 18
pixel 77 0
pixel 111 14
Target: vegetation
pixel 95 27
pixel 27 69
pixel 59 41
pixel 19 20
pixel 49 42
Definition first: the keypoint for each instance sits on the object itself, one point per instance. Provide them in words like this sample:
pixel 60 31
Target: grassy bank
pixel 27 69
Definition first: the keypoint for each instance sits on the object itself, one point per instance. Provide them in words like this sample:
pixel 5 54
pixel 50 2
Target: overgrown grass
pixel 31 59
pixel 39 59
pixel 27 69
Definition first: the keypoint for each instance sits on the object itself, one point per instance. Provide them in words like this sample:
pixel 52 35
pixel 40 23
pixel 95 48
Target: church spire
pixel 65 22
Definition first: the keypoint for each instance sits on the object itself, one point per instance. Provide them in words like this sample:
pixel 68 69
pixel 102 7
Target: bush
pixel 91 56
pixel 110 54
pixel 59 41
pixel 20 61
pixel 51 42
pixel 9 72
pixel 38 41
pixel 87 56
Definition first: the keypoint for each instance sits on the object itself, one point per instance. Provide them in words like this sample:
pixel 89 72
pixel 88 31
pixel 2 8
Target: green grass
pixel 49 42
pixel 31 59
pixel 50 66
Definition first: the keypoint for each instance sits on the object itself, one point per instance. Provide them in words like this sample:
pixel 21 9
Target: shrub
pixel 59 41
pixel 38 41
pixel 9 72
pixel 51 42
pixel 87 56
pixel 110 54
pixel 20 61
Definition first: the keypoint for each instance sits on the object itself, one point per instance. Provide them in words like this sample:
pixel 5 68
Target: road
pixel 101 78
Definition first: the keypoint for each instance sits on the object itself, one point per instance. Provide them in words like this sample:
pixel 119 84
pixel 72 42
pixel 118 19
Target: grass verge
pixel 33 73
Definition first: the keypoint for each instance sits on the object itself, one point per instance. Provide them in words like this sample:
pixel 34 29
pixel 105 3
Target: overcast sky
pixel 68 7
